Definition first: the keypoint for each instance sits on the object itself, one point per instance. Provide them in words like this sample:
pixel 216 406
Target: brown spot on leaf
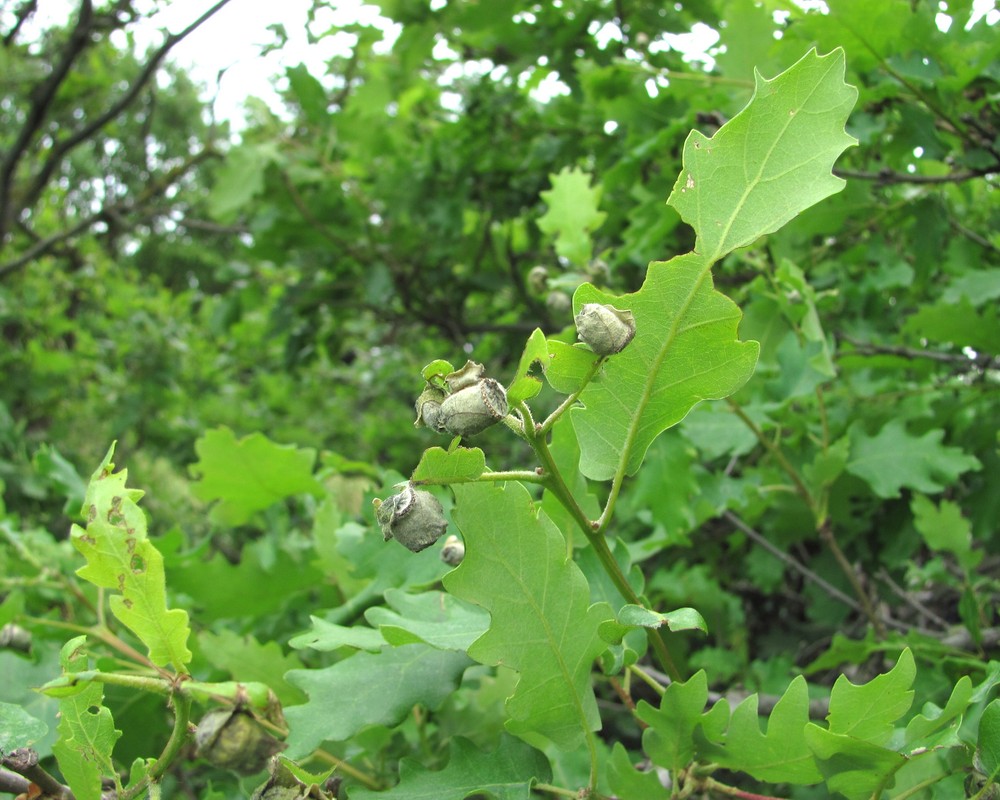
pixel 115 516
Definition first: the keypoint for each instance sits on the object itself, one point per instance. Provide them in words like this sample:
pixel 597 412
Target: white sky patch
pixel 984 9
pixel 603 34
pixel 549 87
pixel 695 44
pixel 225 55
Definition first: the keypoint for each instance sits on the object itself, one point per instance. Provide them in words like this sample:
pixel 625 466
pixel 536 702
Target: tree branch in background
pixel 62 148
pixel 971 235
pixel 21 16
pixel 13 202
pixel 889 176
pixel 979 361
pixel 41 100
pixel 43 246
pixel 24 761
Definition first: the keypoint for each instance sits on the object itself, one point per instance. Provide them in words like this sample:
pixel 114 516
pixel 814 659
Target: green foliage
pixel 893 459
pixel 249 475
pixel 680 320
pixel 20 729
pixel 370 689
pixel 572 214
pixel 649 576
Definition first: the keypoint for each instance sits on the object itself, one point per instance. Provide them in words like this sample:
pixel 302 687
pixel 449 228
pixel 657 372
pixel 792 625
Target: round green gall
pixel 606 329
pixel 473 409
pixel 233 739
pixel 412 517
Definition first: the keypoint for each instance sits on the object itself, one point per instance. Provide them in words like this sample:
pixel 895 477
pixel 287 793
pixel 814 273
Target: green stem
pixel 347 769
pixel 548 788
pixel 178 738
pixel 821 404
pixel 105 635
pixel 648 679
pixel 826 534
pixel 143 683
pixel 917 788
pixel 523 475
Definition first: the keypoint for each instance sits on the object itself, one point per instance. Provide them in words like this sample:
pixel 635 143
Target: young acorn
pixel 413 517
pixel 606 329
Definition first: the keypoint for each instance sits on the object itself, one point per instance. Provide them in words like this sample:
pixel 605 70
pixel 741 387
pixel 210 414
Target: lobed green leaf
pixel 436 618
pixel 669 739
pixel 87 733
pixel 894 459
pixel 685 350
pixel 869 711
pixel 438 465
pixel 854 767
pixel 369 689
pixel 572 214
pixel 250 474
pixel 542 623
pixel 121 557
pixel 771 161
pixel 780 755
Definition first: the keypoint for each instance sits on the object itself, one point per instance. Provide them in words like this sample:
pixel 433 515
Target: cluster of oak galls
pixel 468 403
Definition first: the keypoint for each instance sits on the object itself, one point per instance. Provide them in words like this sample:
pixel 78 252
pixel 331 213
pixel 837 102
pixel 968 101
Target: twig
pixel 971 235
pixel 43 246
pixel 910 600
pixel 41 99
pixel 870 348
pixel 24 761
pixel 12 783
pixel 63 146
pixel 825 532
pixel 712 785
pixel 888 176
pixel 775 451
pixel 798 567
pixel 20 17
